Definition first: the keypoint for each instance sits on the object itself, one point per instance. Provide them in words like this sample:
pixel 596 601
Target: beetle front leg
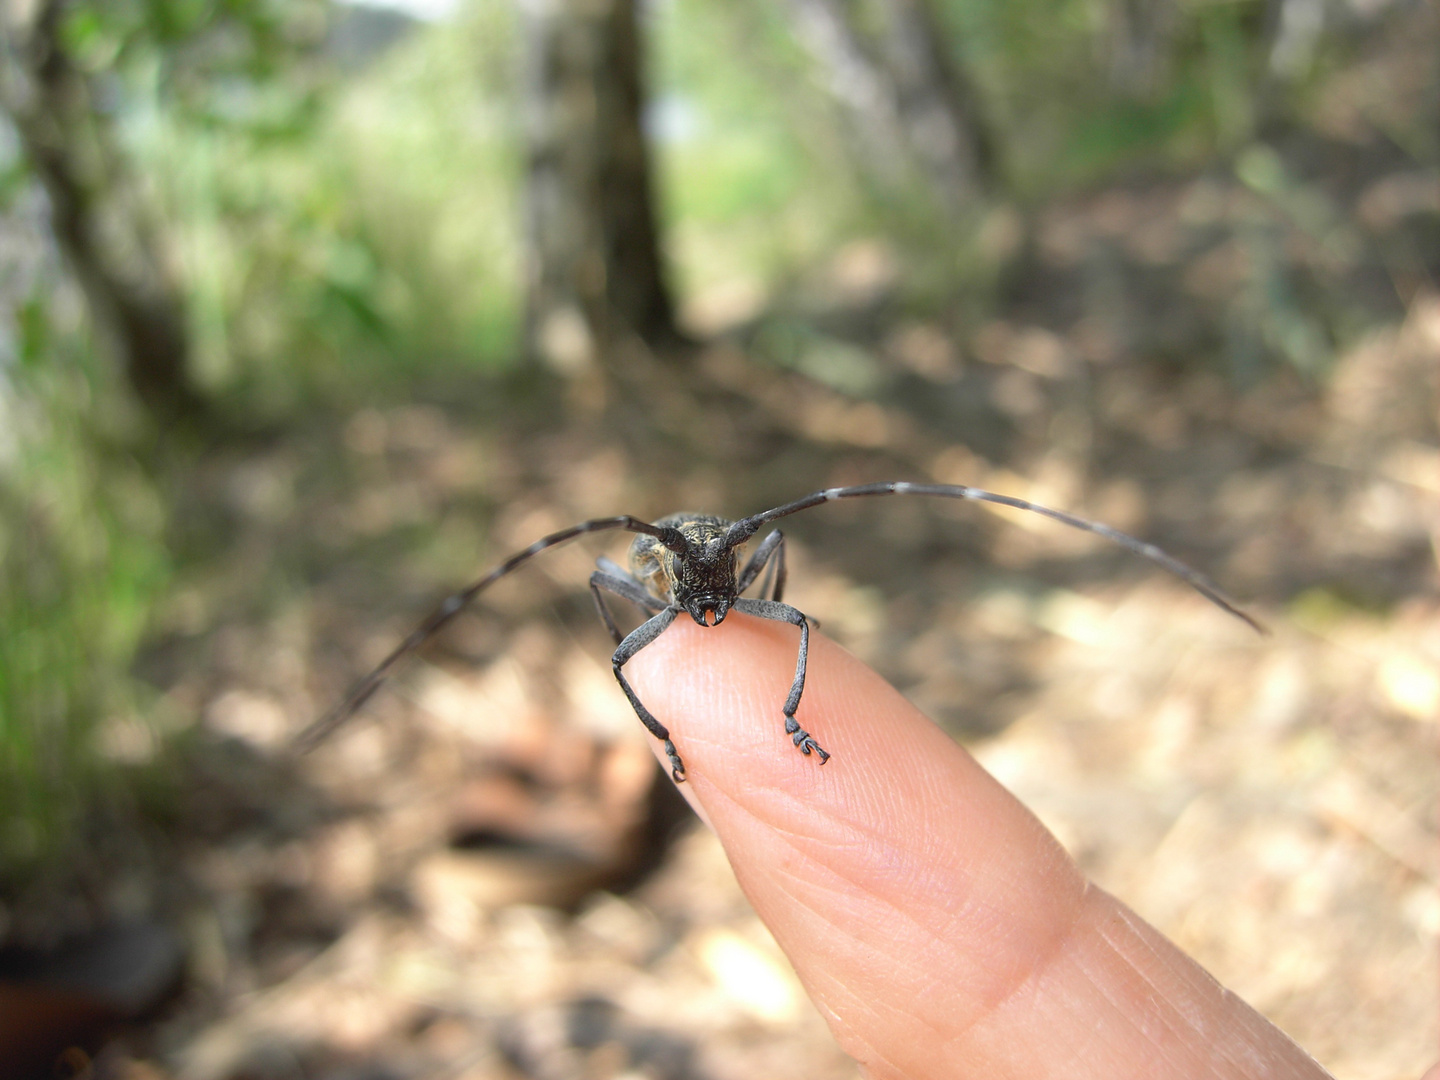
pixel 769 609
pixel 774 544
pixel 610 578
pixel 636 640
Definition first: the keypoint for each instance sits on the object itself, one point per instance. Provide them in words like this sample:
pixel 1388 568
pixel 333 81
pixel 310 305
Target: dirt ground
pixel 482 876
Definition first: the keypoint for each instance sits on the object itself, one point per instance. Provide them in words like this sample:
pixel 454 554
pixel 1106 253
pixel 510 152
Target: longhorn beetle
pixel 687 563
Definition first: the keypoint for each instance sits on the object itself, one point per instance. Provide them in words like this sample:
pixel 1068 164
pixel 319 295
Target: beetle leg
pixel 769 609
pixel 774 544
pixel 615 581
pixel 636 640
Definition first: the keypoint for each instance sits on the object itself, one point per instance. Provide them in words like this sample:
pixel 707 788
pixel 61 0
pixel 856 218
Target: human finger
pixel 941 930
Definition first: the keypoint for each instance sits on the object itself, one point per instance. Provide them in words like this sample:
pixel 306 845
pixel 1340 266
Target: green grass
pixel 81 562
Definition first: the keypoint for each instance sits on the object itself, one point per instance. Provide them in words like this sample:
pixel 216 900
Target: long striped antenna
pixel 362 691
pixel 743 529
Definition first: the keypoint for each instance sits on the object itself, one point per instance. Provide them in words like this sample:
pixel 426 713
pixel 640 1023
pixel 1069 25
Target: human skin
pixel 937 925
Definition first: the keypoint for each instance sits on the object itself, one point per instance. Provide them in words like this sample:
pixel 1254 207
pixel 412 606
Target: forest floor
pixel 484 876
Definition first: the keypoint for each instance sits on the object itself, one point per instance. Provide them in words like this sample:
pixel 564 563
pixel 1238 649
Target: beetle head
pixel 702 578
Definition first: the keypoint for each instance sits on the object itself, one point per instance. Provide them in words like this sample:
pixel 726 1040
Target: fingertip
pixel 895 809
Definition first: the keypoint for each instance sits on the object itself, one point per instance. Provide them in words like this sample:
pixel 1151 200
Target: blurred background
pixel 310 311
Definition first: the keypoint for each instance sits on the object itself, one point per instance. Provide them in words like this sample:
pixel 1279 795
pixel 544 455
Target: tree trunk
pixel 937 104
pixel 1140 39
pixel 909 102
pixel 594 270
pixel 858 82
pixel 97 214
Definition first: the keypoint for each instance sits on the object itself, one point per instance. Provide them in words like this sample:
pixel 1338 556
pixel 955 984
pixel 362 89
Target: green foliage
pixel 755 181
pixel 193 45
pixel 345 225
pixel 760 181
pixel 1071 109
pixel 81 561
pixel 339 228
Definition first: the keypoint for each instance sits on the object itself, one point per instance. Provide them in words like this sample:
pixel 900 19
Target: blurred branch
pixel 907 97
pixel 1140 42
pixel 98 215
pixel 938 104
